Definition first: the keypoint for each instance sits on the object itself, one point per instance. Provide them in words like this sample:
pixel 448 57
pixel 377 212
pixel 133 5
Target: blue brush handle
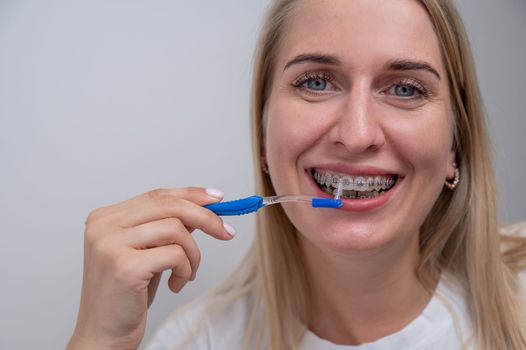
pixel 237 207
pixel 326 203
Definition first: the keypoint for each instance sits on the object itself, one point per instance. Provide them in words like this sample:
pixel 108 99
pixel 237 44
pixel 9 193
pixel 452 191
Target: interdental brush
pixel 254 203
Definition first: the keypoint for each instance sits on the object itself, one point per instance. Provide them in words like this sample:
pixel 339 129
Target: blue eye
pixel 404 90
pixel 408 89
pixel 317 84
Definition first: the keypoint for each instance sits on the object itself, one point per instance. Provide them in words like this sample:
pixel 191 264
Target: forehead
pixel 361 31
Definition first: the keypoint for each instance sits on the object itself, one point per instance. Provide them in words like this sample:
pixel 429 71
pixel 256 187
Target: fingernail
pixel 231 231
pixel 212 192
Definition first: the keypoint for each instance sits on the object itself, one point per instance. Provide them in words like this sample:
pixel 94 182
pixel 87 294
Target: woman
pixel 382 94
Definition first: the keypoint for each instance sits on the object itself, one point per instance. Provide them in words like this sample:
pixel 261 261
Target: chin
pixel 344 234
pixel 356 239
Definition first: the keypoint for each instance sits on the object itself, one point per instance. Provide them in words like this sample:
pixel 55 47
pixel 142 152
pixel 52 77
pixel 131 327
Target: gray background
pixel 103 100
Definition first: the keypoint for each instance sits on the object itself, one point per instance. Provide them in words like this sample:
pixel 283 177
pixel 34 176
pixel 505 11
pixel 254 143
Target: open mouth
pixel 353 187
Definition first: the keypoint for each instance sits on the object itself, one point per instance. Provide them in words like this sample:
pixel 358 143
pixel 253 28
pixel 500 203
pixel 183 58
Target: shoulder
pixel 452 295
pixel 517 229
pixel 514 246
pixel 210 322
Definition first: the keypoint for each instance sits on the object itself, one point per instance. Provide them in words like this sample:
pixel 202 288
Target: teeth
pixel 370 183
pixel 360 184
pixel 366 186
pixel 378 183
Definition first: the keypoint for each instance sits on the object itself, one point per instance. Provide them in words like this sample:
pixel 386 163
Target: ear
pixel 263 164
pixel 263 141
pixel 263 150
pixel 451 159
pixel 262 160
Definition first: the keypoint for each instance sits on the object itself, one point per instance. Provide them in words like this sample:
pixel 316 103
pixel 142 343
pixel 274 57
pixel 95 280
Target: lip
pixel 357 205
pixel 356 170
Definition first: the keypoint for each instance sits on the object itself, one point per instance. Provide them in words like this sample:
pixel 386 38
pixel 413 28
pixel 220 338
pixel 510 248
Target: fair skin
pixel 360 259
pixel 359 88
pixel 126 248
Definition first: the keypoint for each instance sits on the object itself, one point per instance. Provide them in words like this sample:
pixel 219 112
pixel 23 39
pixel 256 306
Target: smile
pixel 354 186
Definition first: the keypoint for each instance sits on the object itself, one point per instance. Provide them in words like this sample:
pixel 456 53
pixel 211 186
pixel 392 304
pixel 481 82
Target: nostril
pixel 358 132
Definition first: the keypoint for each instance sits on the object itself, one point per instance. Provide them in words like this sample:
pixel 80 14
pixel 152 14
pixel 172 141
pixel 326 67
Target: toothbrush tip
pixel 326 203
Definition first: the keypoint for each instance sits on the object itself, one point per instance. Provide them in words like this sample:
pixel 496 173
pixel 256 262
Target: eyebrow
pixel 400 65
pixel 316 58
pixel 403 65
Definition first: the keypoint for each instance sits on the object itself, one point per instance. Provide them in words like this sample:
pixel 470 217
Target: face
pixel 359 93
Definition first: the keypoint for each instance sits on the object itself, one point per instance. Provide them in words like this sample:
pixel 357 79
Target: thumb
pixel 152 287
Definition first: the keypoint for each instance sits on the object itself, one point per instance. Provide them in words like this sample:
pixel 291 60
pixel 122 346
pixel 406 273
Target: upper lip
pixel 354 170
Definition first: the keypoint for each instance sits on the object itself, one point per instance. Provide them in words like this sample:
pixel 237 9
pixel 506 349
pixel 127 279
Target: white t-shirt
pixel 443 324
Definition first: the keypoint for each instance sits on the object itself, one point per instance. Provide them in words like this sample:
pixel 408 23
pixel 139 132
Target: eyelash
pixel 414 83
pixel 308 76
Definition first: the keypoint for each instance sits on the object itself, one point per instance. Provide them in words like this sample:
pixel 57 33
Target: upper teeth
pixel 354 183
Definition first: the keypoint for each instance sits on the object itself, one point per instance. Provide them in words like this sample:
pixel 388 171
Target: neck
pixel 359 298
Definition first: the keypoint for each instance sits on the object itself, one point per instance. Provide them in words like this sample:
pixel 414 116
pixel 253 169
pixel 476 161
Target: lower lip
pixel 360 204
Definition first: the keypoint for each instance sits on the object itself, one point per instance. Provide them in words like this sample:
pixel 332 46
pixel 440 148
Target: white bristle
pixel 339 190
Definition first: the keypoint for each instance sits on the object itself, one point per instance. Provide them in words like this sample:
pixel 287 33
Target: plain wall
pixel 103 100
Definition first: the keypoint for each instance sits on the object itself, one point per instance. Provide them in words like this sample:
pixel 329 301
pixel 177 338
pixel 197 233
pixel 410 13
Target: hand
pixel 126 248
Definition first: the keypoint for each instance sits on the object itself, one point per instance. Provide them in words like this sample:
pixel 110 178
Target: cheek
pixel 291 129
pixel 425 143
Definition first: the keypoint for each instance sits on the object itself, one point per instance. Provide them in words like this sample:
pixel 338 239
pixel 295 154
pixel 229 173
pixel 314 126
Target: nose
pixel 356 128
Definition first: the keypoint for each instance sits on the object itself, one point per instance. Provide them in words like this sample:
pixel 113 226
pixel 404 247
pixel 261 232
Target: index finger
pixel 200 196
pixel 163 205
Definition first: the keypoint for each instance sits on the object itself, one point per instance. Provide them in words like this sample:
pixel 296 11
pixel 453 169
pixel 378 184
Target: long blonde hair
pixel 460 235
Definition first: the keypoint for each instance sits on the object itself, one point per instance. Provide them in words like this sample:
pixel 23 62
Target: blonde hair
pixel 460 235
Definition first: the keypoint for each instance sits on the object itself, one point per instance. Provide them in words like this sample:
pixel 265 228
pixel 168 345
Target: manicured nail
pixel 212 192
pixel 231 231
